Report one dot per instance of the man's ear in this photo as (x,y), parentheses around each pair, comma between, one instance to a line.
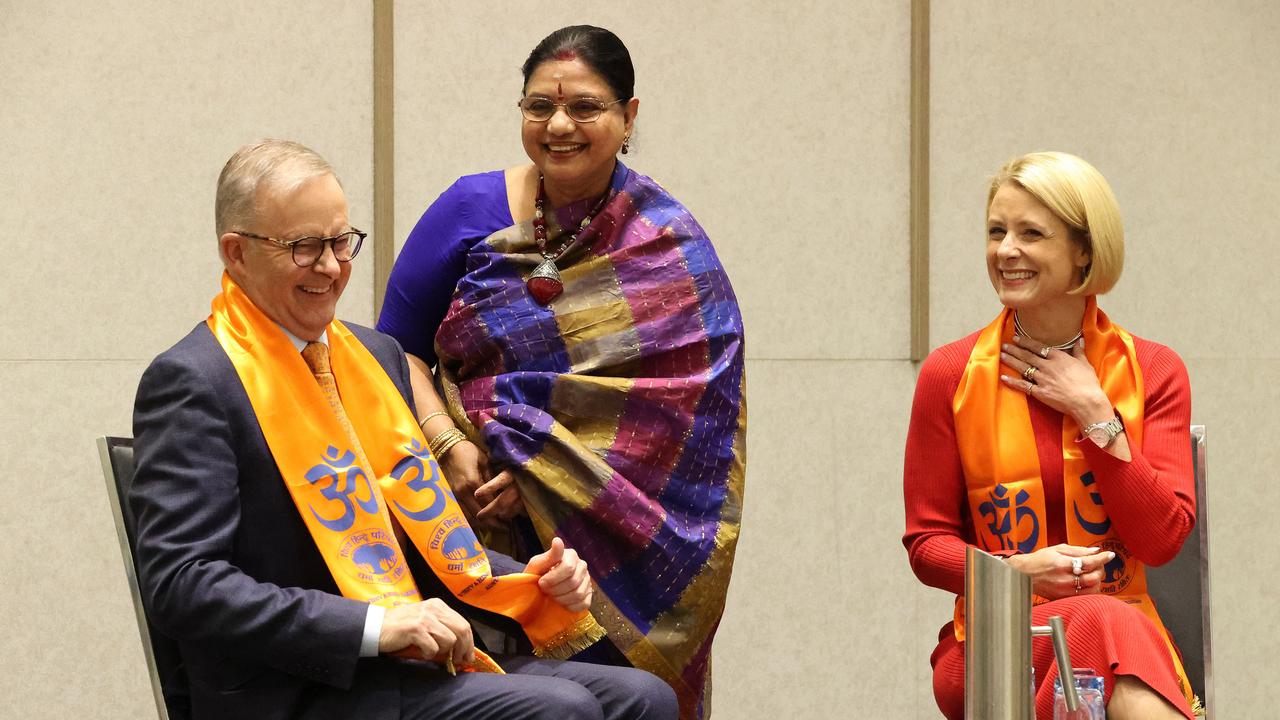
(232,246)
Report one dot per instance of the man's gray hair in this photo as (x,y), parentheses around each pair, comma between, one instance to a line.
(282,165)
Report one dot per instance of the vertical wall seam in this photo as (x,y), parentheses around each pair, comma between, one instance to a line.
(384,239)
(919,191)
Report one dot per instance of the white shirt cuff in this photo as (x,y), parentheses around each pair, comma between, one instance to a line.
(372,631)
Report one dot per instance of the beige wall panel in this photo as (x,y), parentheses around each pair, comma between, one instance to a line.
(781,126)
(71,642)
(117,119)
(1236,401)
(823,607)
(1173,102)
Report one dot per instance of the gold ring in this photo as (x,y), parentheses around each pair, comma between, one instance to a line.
(1029,373)
(1077,577)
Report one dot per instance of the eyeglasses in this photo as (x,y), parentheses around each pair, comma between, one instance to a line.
(582,110)
(307,250)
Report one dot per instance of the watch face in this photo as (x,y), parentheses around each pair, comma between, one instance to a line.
(1100,436)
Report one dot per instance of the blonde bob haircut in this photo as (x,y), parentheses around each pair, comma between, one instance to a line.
(1078,194)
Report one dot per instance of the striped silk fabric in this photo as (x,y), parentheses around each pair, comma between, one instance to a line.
(620,406)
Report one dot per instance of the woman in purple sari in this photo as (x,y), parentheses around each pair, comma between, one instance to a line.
(578,359)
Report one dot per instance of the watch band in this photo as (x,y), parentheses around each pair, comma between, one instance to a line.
(1112,427)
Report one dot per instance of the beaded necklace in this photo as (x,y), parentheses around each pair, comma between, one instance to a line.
(544,282)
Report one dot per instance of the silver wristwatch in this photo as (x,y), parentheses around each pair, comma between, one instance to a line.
(1104,433)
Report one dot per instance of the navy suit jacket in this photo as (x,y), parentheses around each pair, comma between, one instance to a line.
(226,565)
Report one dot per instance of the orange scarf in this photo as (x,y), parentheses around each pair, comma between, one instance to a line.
(1002,469)
(345,506)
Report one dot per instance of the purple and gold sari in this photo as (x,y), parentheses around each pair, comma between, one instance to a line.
(620,406)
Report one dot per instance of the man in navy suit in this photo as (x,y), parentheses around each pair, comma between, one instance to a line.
(226,563)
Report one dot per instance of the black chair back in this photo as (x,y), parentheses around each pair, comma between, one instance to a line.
(168,676)
(1180,588)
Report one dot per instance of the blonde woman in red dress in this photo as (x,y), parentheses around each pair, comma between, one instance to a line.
(1058,440)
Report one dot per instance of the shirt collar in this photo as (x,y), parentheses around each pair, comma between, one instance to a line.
(299,343)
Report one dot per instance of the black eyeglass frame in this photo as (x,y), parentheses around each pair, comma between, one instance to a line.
(600,105)
(292,245)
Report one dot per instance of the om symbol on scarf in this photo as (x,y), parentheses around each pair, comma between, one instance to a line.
(424,473)
(1004,521)
(345,479)
(1096,527)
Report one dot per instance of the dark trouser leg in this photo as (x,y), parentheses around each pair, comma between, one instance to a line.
(622,693)
(434,695)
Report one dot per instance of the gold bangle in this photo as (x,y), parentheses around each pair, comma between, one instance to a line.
(441,443)
(423,422)
(449,446)
(442,436)
(444,450)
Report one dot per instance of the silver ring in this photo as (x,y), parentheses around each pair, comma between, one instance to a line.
(1030,372)
(1077,565)
(1044,352)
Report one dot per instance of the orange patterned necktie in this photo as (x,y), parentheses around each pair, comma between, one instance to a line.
(316,355)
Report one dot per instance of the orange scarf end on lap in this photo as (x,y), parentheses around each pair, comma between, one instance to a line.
(347,505)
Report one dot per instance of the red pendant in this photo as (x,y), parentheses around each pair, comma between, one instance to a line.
(544,290)
(544,282)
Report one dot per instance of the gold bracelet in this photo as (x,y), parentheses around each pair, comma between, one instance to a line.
(441,437)
(445,440)
(423,422)
(447,446)
(450,440)
(444,450)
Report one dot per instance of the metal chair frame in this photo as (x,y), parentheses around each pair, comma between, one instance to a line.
(1180,588)
(118,473)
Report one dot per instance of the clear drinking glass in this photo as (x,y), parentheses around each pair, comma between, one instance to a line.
(1090,690)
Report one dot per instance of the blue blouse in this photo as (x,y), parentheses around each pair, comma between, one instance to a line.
(433,259)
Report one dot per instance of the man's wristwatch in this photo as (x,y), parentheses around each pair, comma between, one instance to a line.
(1104,433)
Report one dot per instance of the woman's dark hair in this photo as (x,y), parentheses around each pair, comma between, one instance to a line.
(598,48)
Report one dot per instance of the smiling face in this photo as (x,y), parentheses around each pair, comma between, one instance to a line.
(1033,257)
(302,300)
(576,159)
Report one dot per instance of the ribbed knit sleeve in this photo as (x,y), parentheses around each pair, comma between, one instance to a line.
(1151,499)
(933,486)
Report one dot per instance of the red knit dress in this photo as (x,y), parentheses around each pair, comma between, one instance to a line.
(1150,499)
